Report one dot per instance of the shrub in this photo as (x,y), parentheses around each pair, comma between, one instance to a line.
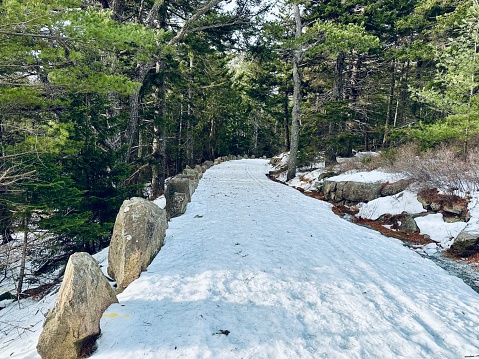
(443,168)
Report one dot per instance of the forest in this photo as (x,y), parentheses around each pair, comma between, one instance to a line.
(104,100)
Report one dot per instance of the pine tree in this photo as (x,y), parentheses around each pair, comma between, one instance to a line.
(453,91)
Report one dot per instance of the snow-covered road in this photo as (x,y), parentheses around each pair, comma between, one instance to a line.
(255,269)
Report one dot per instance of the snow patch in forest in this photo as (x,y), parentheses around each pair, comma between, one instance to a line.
(160,201)
(441,232)
(368,177)
(405,201)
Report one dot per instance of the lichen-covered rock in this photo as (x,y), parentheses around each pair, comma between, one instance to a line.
(470,232)
(391,189)
(192,173)
(199,169)
(208,164)
(182,184)
(137,237)
(178,193)
(408,224)
(178,184)
(177,204)
(348,192)
(75,320)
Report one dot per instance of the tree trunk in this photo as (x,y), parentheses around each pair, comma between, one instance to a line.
(287,116)
(298,54)
(390,102)
(212,138)
(403,94)
(179,152)
(354,78)
(255,133)
(131,135)
(189,115)
(158,146)
(23,260)
(469,103)
(338,89)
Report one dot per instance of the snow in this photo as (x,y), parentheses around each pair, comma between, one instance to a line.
(255,269)
(160,201)
(405,201)
(439,231)
(472,226)
(102,259)
(366,177)
(307,180)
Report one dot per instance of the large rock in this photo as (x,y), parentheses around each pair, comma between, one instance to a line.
(192,173)
(208,164)
(351,192)
(178,193)
(391,189)
(177,204)
(75,320)
(199,169)
(137,237)
(469,233)
(348,192)
(192,184)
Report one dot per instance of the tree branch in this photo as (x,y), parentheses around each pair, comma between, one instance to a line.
(41,36)
(153,14)
(186,27)
(206,27)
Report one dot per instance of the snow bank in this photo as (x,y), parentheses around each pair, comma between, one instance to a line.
(444,233)
(365,177)
(405,201)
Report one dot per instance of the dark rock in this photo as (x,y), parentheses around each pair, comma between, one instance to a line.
(178,204)
(408,224)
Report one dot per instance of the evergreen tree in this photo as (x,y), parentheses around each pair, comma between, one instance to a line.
(453,90)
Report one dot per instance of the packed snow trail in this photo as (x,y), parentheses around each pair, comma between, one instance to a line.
(255,269)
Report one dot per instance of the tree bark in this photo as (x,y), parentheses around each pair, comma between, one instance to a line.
(131,134)
(189,115)
(390,102)
(212,141)
(23,260)
(158,146)
(255,133)
(287,117)
(338,89)
(187,26)
(295,118)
